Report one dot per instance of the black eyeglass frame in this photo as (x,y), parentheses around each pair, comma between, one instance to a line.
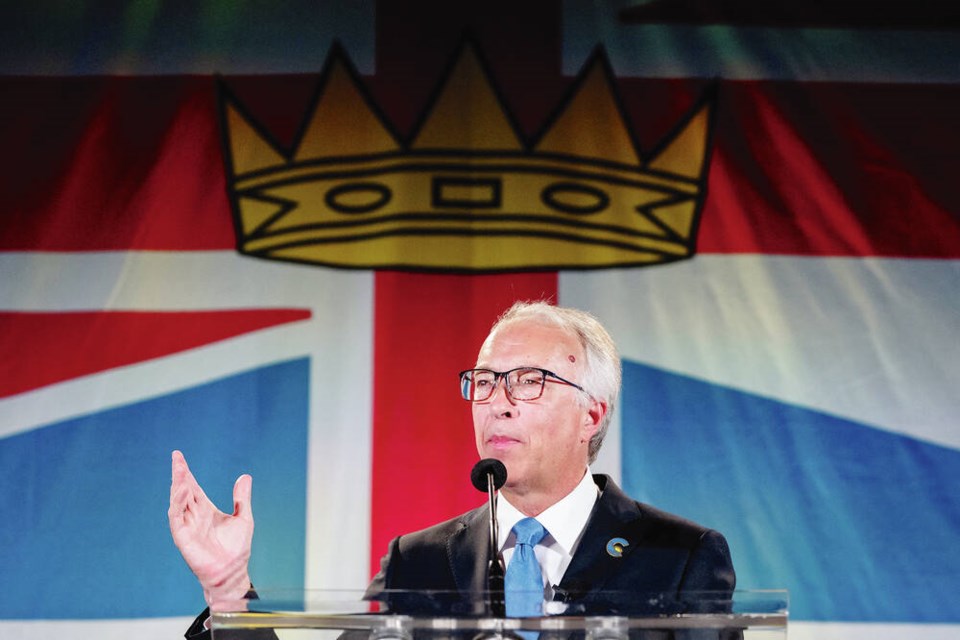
(504,375)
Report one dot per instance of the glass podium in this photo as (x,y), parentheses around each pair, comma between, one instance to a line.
(437,615)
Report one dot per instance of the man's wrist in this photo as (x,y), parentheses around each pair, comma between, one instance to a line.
(232,596)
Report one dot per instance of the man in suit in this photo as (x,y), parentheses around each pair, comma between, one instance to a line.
(542,392)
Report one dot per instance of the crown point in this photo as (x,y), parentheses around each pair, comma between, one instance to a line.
(591,123)
(466,104)
(343,122)
(249,151)
(685,154)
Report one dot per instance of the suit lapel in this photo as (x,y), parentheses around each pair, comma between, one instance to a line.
(614,516)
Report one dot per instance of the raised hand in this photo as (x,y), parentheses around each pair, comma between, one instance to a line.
(215,545)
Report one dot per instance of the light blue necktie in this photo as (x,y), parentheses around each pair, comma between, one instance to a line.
(523,582)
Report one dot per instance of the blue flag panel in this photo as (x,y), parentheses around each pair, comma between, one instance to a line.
(83,531)
(859,524)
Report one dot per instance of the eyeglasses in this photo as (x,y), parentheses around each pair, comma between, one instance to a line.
(522,383)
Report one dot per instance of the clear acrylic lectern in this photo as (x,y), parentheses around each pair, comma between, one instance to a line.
(438,615)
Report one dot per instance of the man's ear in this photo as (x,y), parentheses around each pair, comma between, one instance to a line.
(592,419)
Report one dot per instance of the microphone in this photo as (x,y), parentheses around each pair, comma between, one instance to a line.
(489,475)
(478,476)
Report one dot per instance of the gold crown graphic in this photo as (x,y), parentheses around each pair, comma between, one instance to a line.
(465,192)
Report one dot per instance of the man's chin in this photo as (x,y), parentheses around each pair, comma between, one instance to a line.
(515,471)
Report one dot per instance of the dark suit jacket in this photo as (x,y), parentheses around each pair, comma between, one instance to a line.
(665,555)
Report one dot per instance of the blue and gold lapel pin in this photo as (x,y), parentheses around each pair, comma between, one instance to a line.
(616,546)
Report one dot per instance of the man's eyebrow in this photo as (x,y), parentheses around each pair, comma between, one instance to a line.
(517,366)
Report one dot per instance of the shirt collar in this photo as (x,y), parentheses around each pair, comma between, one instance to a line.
(564,520)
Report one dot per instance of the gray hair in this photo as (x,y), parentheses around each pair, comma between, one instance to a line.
(602,371)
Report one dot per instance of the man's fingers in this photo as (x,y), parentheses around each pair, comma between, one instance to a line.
(180,491)
(180,498)
(242,489)
(180,475)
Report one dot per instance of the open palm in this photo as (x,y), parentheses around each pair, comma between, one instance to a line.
(215,545)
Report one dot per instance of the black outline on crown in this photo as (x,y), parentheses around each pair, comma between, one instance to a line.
(565,228)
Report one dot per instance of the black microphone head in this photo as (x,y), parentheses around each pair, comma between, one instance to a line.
(478,476)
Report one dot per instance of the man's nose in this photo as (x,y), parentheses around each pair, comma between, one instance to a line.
(500,394)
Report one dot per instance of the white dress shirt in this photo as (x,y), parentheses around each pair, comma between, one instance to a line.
(564,521)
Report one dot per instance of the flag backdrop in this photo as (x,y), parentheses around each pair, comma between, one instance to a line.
(793,383)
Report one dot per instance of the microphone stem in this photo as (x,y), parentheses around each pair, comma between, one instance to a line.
(495,570)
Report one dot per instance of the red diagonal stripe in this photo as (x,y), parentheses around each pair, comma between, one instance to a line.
(42,348)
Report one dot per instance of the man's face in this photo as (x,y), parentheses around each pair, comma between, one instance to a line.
(544,442)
